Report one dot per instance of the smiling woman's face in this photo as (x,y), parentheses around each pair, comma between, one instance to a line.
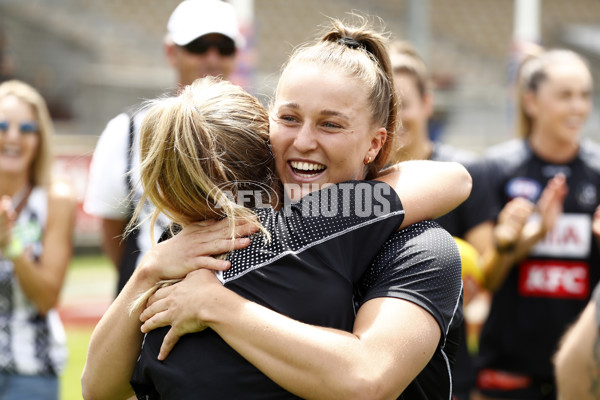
(18,142)
(321,128)
(560,107)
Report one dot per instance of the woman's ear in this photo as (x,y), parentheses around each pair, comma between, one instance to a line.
(529,103)
(428,104)
(377,142)
(169,48)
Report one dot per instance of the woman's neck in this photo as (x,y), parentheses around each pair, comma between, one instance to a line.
(553,149)
(419,148)
(11,186)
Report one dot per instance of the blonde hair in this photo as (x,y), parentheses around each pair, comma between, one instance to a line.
(532,72)
(360,52)
(42,162)
(198,150)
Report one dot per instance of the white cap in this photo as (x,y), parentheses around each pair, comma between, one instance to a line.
(194,18)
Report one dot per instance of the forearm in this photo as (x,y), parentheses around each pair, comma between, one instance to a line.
(299,357)
(116,340)
(577,362)
(114,346)
(40,284)
(42,280)
(498,263)
(315,362)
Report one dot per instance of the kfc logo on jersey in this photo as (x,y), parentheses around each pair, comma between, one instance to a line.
(570,237)
(554,279)
(523,187)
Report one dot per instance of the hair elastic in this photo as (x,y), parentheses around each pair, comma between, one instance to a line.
(349,42)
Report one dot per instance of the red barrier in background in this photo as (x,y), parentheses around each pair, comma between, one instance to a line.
(74,168)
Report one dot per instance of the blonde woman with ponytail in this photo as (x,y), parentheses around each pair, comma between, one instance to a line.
(541,277)
(310,261)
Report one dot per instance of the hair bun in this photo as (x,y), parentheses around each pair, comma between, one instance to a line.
(349,42)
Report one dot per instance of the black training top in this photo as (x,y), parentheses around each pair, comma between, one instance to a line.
(546,291)
(421,264)
(319,249)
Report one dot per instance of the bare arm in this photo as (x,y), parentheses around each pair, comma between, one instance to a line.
(577,362)
(391,342)
(428,189)
(112,234)
(43,280)
(112,353)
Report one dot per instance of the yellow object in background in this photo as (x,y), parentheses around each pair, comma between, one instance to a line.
(471,261)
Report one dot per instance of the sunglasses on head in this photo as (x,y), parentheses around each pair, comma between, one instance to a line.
(224,45)
(24,127)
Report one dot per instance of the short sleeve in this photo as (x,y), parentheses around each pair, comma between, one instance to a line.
(106,191)
(420,264)
(478,206)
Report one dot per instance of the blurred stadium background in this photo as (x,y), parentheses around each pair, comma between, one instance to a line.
(93,59)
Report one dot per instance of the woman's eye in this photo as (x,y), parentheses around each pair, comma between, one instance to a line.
(288,118)
(331,125)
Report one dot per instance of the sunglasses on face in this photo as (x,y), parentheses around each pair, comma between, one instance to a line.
(24,127)
(224,45)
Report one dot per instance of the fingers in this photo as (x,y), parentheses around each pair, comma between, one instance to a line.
(156,321)
(171,338)
(210,230)
(214,264)
(555,191)
(153,307)
(511,221)
(516,211)
(550,203)
(221,246)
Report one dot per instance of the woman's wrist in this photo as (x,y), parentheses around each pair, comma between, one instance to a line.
(218,305)
(505,240)
(147,273)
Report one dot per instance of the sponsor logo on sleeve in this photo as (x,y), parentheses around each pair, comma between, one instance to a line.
(523,187)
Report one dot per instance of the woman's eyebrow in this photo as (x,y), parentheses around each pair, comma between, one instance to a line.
(332,113)
(290,105)
(329,113)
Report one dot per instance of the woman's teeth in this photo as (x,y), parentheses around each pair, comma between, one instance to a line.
(11,151)
(306,168)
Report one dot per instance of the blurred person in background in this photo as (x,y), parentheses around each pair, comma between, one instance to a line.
(202,39)
(37,217)
(543,270)
(473,220)
(577,361)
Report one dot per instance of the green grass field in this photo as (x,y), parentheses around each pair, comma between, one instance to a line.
(84,270)
(78,339)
